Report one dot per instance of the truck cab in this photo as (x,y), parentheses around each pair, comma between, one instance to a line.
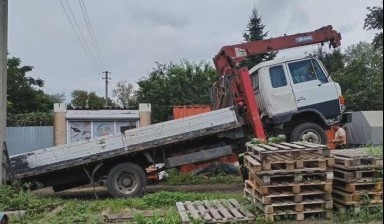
(297,97)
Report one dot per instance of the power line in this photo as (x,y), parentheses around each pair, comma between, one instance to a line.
(91,33)
(82,36)
(79,35)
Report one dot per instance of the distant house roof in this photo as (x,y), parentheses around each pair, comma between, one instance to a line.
(102,115)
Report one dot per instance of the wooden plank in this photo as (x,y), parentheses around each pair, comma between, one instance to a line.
(294,146)
(203,211)
(311,145)
(223,211)
(280,146)
(245,212)
(212,210)
(268,147)
(183,214)
(232,209)
(192,210)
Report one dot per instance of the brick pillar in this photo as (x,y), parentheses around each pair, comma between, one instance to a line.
(145,114)
(59,124)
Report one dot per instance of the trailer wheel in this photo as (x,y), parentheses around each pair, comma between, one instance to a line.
(126,180)
(309,132)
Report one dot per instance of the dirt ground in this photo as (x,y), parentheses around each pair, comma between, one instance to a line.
(101,192)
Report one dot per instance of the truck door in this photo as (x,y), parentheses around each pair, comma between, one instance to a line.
(313,89)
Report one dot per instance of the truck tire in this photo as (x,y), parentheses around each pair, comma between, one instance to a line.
(309,132)
(126,180)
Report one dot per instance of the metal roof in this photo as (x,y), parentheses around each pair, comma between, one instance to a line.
(102,115)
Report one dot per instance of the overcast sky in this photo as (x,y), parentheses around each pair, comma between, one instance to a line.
(134,34)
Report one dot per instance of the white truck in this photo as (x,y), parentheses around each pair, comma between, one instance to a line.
(297,97)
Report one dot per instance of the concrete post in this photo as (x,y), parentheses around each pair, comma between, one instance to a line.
(3,83)
(145,114)
(59,124)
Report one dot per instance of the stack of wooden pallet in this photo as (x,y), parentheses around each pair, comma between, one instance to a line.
(358,179)
(290,180)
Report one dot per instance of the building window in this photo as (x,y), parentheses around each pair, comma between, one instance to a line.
(123,126)
(79,130)
(103,129)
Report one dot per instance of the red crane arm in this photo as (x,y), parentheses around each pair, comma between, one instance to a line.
(229,57)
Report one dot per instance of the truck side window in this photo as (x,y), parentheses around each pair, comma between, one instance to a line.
(302,71)
(255,80)
(277,76)
(319,72)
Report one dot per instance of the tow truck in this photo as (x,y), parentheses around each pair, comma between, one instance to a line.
(119,162)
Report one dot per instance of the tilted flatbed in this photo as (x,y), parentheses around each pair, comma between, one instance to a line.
(71,165)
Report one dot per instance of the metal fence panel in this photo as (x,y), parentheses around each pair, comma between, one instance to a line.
(26,139)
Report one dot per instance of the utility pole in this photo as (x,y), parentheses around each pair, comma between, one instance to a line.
(3,82)
(106,87)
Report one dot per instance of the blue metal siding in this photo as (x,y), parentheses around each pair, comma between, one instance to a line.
(26,139)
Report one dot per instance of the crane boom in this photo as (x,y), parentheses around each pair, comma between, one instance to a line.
(228,59)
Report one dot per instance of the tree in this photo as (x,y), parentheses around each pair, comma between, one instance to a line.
(125,94)
(333,62)
(27,104)
(254,32)
(185,83)
(24,93)
(95,101)
(374,21)
(362,77)
(79,98)
(85,99)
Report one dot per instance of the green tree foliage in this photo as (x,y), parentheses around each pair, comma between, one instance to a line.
(26,101)
(254,32)
(85,99)
(374,21)
(183,83)
(362,77)
(125,94)
(333,61)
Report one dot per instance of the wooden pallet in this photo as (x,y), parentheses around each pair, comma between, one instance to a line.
(355,208)
(316,204)
(307,193)
(299,216)
(370,175)
(357,198)
(357,186)
(293,150)
(213,211)
(356,157)
(294,178)
(294,188)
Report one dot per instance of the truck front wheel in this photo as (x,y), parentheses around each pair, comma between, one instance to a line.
(126,180)
(309,132)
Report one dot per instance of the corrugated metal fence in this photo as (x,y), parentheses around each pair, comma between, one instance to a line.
(26,139)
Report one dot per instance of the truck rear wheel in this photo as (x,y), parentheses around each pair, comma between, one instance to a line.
(126,180)
(309,132)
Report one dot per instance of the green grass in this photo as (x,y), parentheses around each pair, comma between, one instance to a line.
(38,209)
(160,204)
(177,178)
(376,151)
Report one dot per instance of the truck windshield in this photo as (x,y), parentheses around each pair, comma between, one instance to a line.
(305,71)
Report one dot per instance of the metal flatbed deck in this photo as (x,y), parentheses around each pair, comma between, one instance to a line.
(134,140)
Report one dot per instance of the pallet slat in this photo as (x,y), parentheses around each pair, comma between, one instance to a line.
(213,211)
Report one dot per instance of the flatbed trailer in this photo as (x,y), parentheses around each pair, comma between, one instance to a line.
(120,161)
